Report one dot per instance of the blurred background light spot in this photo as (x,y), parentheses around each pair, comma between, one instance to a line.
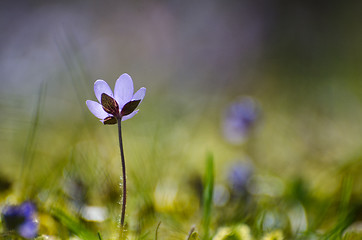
(94,213)
(165,195)
(221,195)
(266,185)
(298,219)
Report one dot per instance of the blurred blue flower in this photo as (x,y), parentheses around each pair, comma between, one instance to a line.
(239,176)
(21,219)
(239,119)
(120,105)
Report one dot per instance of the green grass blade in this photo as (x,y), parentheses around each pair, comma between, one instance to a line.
(99,236)
(74,225)
(346,212)
(158,226)
(207,195)
(28,155)
(193,235)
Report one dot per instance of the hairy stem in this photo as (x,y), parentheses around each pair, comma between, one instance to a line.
(124,177)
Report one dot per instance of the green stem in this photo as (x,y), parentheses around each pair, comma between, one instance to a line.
(124,177)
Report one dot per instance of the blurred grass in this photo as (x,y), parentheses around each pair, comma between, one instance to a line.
(72,224)
(165,146)
(208,195)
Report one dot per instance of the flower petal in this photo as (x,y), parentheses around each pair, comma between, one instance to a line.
(123,90)
(96,109)
(124,118)
(140,94)
(29,229)
(100,87)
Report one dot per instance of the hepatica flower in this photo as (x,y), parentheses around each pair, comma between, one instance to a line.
(239,119)
(115,107)
(120,105)
(239,176)
(21,219)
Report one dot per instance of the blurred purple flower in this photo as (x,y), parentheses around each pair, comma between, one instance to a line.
(21,219)
(239,119)
(239,176)
(120,105)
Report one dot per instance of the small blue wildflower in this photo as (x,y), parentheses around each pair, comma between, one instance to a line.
(21,219)
(239,119)
(239,176)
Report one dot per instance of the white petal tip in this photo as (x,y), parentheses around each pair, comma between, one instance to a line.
(99,80)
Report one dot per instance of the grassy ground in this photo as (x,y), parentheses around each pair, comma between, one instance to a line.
(303,154)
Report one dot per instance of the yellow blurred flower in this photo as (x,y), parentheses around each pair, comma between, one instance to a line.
(274,235)
(240,232)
